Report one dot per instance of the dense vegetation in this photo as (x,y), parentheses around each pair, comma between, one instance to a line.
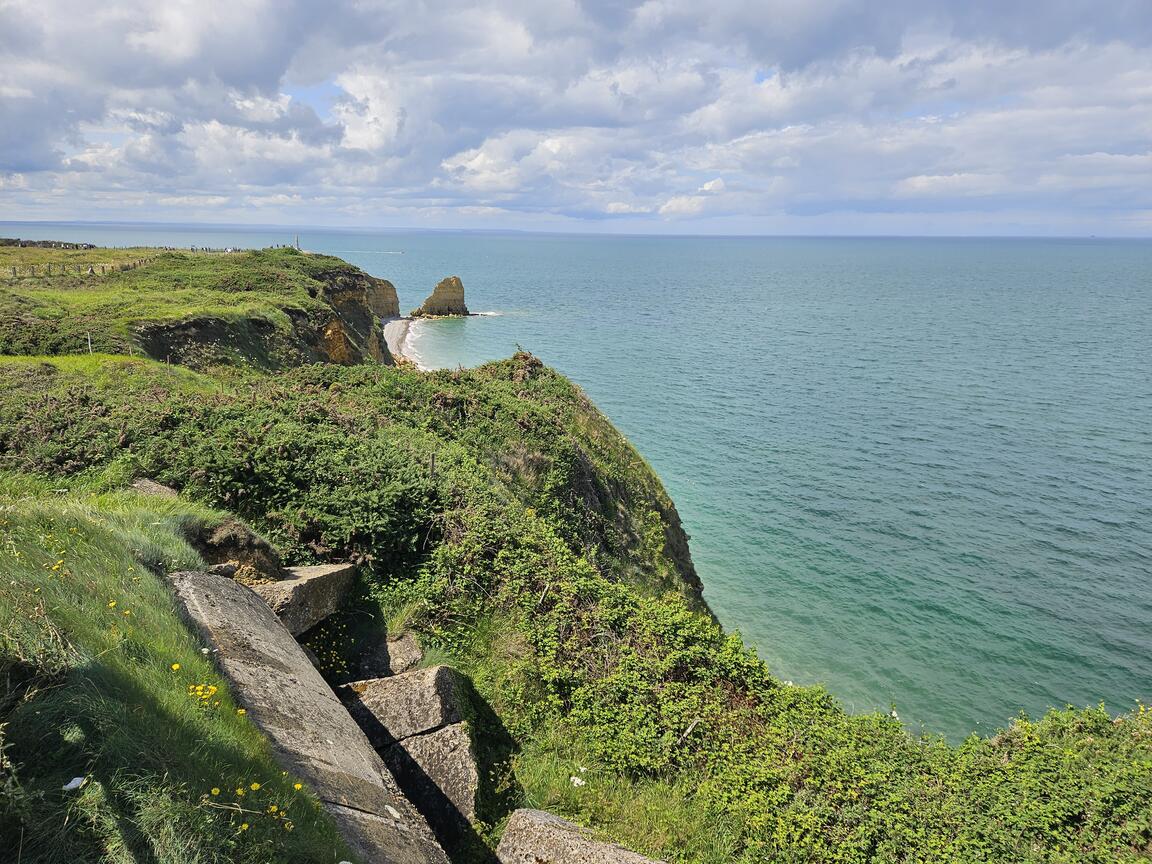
(497,514)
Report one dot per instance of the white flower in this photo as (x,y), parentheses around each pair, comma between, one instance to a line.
(577,781)
(74,784)
(894,714)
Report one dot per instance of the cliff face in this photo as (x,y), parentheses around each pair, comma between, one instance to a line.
(354,334)
(271,309)
(447,298)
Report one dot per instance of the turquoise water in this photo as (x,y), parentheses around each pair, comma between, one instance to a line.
(919,471)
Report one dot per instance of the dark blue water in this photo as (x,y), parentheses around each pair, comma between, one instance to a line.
(919,471)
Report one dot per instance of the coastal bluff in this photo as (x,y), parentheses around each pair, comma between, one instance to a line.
(447,298)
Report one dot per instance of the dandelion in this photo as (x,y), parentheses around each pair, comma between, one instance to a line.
(215,790)
(254,787)
(175,667)
(272,808)
(240,712)
(240,792)
(111,604)
(297,786)
(243,826)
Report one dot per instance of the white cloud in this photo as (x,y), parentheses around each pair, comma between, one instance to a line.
(683,205)
(826,113)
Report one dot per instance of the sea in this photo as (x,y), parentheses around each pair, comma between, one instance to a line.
(916,471)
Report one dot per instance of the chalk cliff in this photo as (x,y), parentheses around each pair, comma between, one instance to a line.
(447,298)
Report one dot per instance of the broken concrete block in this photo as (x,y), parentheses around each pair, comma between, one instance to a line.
(391,657)
(311,734)
(308,595)
(438,773)
(395,708)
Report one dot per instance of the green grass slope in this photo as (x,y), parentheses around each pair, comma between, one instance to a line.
(500,516)
(119,741)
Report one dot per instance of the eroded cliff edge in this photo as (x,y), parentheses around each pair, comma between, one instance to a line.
(269,309)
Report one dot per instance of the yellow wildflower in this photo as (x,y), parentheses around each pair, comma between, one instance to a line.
(244,826)
(111,604)
(241,712)
(175,667)
(215,790)
(254,786)
(297,786)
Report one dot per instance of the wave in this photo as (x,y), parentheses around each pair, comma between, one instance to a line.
(489,314)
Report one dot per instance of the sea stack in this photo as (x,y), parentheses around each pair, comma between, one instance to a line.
(447,298)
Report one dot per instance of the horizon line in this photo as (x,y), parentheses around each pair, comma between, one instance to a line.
(265,227)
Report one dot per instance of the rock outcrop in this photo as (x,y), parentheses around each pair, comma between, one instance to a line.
(311,734)
(308,595)
(360,302)
(447,298)
(536,837)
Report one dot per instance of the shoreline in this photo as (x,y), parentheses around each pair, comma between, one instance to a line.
(396,334)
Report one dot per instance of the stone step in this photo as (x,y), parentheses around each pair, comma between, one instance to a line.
(311,733)
(308,595)
(537,837)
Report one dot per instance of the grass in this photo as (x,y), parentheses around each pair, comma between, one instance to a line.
(249,308)
(101,674)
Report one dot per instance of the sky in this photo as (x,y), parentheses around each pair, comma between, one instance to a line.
(986,117)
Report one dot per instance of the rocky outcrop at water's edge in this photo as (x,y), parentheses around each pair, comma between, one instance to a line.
(447,298)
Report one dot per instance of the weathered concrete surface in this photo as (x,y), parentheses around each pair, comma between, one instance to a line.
(536,837)
(438,773)
(444,758)
(391,657)
(447,298)
(311,733)
(150,487)
(392,709)
(308,595)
